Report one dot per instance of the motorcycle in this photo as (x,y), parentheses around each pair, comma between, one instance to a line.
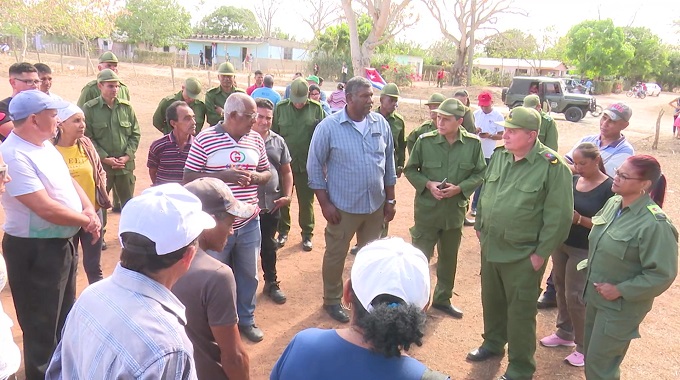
(637,92)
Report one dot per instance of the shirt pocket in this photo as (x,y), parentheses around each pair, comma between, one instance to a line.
(622,245)
(125,128)
(100,130)
(465,168)
(433,170)
(376,143)
(526,194)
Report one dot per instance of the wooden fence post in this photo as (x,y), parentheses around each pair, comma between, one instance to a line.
(658,129)
(172,75)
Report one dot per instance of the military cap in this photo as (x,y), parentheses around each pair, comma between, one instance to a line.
(226,68)
(531,101)
(522,117)
(390,89)
(108,57)
(192,87)
(313,78)
(107,75)
(451,107)
(462,93)
(299,91)
(435,98)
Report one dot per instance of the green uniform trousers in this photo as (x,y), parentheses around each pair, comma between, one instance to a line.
(509,293)
(367,227)
(448,242)
(608,334)
(305,198)
(121,184)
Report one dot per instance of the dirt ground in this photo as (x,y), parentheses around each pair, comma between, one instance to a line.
(655,356)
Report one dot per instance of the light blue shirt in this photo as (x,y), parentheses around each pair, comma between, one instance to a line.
(127,326)
(613,155)
(267,93)
(357,166)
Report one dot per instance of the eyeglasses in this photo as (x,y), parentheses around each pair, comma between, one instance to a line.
(34,82)
(252,116)
(624,177)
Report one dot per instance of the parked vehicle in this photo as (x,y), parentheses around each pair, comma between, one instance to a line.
(553,96)
(653,89)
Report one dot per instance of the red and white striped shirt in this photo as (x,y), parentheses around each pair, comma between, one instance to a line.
(213,151)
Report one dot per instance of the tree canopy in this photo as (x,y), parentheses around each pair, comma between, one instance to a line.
(229,20)
(154,22)
(598,48)
(650,58)
(512,43)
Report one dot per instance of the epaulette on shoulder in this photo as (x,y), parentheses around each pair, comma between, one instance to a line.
(236,89)
(550,157)
(499,148)
(91,102)
(398,116)
(428,134)
(123,101)
(658,213)
(467,134)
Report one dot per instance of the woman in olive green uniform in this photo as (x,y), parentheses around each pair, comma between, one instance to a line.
(633,258)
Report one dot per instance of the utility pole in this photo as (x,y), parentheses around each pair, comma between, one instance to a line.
(471,48)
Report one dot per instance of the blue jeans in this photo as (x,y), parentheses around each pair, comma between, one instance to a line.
(475,197)
(241,253)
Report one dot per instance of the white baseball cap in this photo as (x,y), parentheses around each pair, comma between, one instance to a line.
(391,266)
(169,215)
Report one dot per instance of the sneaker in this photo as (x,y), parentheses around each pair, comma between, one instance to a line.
(307,245)
(576,359)
(273,291)
(555,341)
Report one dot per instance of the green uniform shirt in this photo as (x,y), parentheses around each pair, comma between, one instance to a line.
(469,121)
(216,97)
(427,126)
(91,91)
(525,206)
(547,133)
(297,127)
(398,127)
(434,159)
(634,248)
(114,131)
(159,116)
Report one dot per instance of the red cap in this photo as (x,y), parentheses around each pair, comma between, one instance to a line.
(485,99)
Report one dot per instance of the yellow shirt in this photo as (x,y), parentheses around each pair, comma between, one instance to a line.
(80,168)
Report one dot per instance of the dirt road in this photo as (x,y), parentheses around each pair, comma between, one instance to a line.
(655,356)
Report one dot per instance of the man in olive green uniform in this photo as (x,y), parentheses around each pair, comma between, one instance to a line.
(389,97)
(469,118)
(632,259)
(433,103)
(445,168)
(189,94)
(547,134)
(295,119)
(107,60)
(217,96)
(524,212)
(112,126)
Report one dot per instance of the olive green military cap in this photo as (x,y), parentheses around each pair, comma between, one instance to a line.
(107,75)
(435,98)
(390,89)
(226,68)
(522,117)
(531,101)
(299,91)
(451,107)
(108,57)
(192,87)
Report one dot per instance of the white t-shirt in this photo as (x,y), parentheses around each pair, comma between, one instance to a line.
(488,123)
(34,168)
(360,125)
(10,356)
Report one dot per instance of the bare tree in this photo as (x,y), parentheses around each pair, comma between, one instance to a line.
(323,14)
(468,17)
(388,18)
(265,11)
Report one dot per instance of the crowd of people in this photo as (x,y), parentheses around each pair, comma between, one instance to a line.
(184,291)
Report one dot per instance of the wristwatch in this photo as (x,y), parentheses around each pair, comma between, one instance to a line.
(391,201)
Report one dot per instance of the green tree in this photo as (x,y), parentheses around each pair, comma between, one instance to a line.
(669,78)
(230,21)
(651,57)
(598,48)
(512,43)
(334,40)
(154,22)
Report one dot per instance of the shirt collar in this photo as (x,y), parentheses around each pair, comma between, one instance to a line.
(531,156)
(136,282)
(171,135)
(441,139)
(639,204)
(614,144)
(344,117)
